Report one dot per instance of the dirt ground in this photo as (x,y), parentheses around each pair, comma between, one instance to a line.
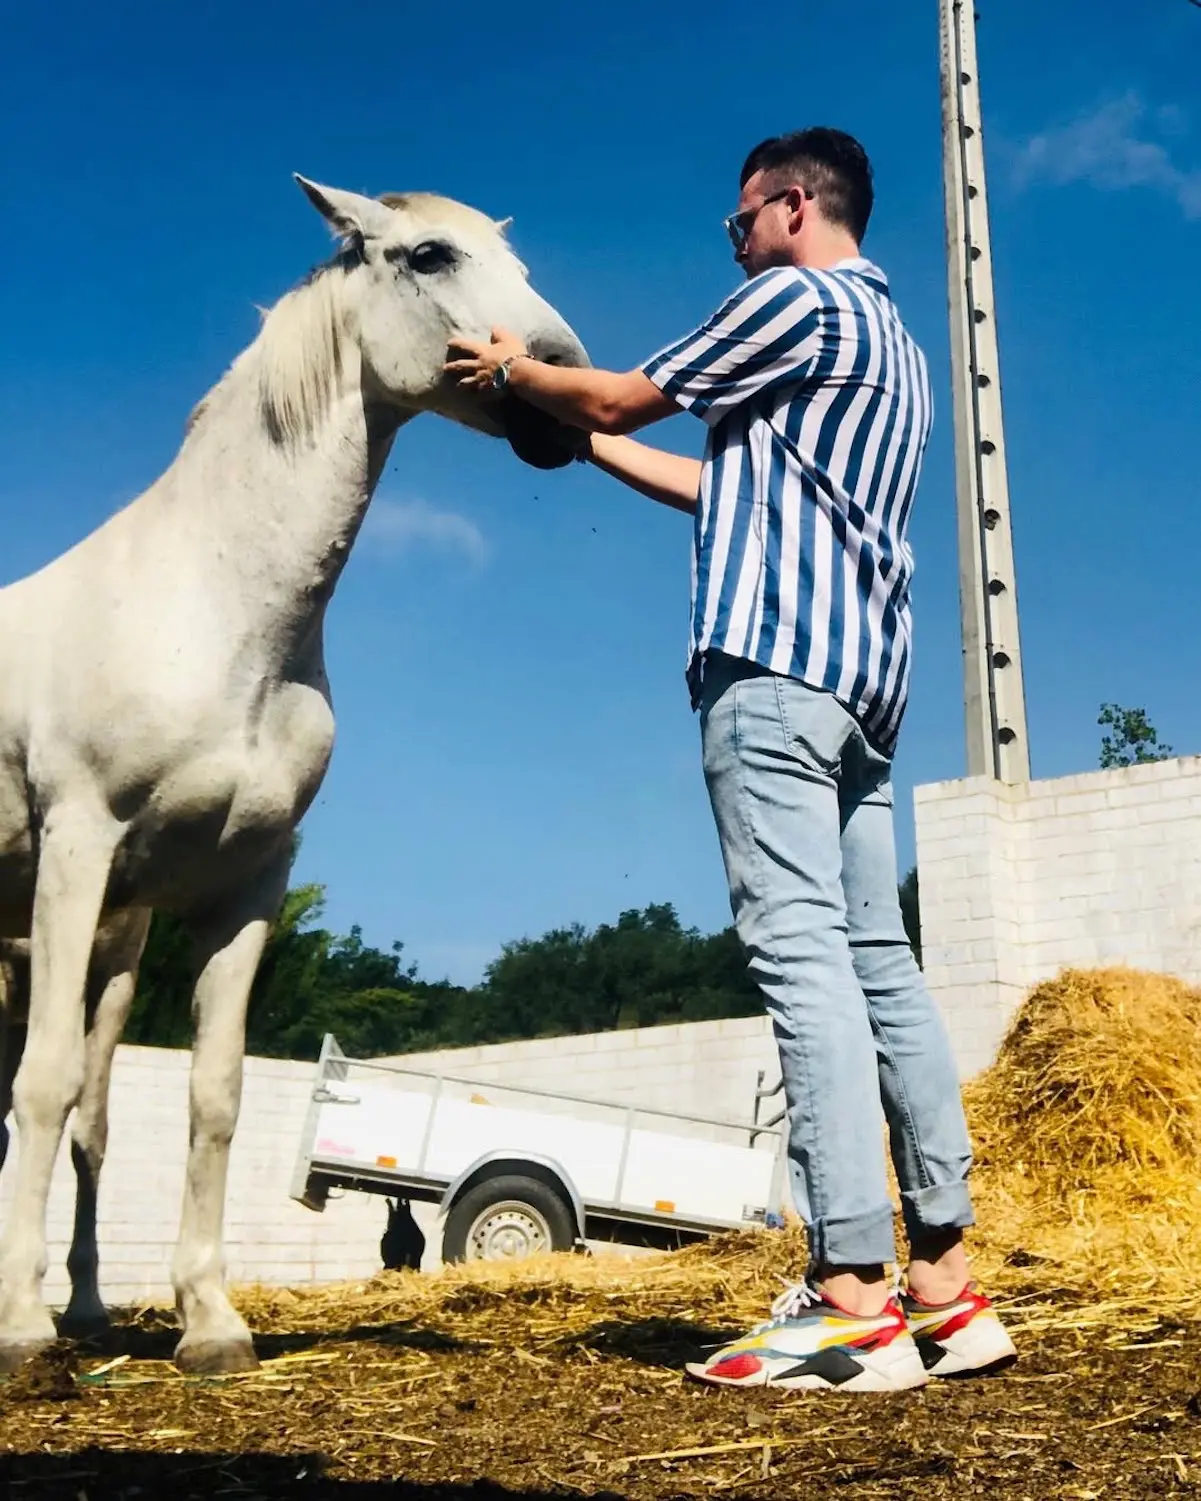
(486,1405)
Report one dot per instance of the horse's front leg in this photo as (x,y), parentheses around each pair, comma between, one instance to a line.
(215,1337)
(73,866)
(111,985)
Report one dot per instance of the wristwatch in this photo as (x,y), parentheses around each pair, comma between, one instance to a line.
(500,376)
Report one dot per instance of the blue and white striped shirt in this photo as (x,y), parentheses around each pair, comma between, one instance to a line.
(819,407)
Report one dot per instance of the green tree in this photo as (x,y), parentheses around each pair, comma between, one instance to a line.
(643,969)
(1134,740)
(161,1014)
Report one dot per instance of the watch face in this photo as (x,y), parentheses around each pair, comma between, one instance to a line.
(499,376)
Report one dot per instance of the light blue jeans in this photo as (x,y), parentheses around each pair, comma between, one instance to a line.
(803,805)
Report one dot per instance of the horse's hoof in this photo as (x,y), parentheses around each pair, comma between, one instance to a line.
(216,1357)
(14,1353)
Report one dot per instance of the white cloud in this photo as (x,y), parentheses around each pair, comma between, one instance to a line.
(396,526)
(1112,147)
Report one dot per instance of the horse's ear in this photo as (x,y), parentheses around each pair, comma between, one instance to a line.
(349,213)
(503,224)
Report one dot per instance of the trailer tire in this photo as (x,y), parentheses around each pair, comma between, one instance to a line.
(507,1218)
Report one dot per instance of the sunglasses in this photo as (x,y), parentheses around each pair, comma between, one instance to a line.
(739,226)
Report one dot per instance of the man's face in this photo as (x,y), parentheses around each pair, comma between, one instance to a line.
(765,213)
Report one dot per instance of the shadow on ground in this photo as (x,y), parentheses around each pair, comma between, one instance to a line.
(115,1475)
(156,1340)
(666,1343)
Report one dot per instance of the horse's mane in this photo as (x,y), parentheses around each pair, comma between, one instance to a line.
(300,351)
(297,354)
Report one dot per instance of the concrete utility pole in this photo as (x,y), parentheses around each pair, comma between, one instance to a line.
(994,697)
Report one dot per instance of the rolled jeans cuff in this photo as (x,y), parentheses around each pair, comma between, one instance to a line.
(865,1240)
(942,1206)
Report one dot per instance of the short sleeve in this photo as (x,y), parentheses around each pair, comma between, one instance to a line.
(768,333)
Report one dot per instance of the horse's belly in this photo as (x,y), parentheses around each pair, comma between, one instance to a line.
(16,855)
(16,902)
(186,864)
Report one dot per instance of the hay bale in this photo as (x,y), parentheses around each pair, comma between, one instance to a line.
(1101,1070)
(1087,1134)
(726,1281)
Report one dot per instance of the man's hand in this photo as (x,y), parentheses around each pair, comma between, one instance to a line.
(478,362)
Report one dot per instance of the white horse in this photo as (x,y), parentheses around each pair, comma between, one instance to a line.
(165,715)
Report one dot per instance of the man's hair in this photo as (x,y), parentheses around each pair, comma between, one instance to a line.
(832,165)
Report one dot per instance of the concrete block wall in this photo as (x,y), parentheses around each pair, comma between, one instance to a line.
(706,1068)
(1019,882)
(269,1237)
(694,1068)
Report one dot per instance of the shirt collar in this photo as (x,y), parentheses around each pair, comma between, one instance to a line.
(858,265)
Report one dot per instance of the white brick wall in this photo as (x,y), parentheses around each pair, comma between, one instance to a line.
(707,1068)
(268,1234)
(1018,882)
(698,1068)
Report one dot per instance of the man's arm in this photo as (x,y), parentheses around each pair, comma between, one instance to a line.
(601,401)
(665,477)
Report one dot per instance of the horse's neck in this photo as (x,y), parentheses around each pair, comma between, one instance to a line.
(272,524)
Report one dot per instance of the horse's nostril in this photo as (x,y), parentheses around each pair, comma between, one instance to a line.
(552,350)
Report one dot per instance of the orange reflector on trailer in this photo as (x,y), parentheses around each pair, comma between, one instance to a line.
(666,1206)
(385,1162)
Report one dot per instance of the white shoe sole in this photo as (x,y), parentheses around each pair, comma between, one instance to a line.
(896,1368)
(978,1348)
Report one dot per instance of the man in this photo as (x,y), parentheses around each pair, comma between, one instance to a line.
(818,410)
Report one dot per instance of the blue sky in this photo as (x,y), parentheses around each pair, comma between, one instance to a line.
(515,748)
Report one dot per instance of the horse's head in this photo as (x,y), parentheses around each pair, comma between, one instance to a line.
(425,268)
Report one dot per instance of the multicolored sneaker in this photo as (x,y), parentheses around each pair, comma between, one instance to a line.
(810,1343)
(960,1338)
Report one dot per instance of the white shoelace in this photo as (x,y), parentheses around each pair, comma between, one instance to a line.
(798,1296)
(791,1303)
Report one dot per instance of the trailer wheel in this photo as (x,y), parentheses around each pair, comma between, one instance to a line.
(507,1218)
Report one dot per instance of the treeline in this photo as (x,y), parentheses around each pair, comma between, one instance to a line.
(643,970)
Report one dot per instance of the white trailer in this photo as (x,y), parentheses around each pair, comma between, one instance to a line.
(515,1171)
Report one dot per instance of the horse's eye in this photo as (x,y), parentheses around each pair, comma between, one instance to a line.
(431,256)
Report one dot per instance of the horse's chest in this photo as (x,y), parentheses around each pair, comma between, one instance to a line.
(281,766)
(236,797)
(269,767)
